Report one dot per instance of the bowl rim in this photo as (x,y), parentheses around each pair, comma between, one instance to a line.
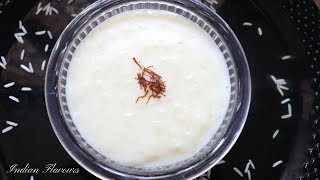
(60,129)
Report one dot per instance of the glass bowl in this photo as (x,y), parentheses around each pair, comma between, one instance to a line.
(101,166)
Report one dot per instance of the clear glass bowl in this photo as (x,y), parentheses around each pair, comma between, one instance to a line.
(103,167)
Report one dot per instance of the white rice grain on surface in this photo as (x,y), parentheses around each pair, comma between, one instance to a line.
(2,65)
(14,98)
(25,68)
(30,68)
(49,34)
(54,10)
(46,48)
(22,54)
(289,115)
(285,101)
(220,162)
(46,8)
(4,61)
(281,82)
(247,24)
(246,169)
(286,57)
(26,89)
(73,15)
(39,8)
(18,38)
(280,91)
(259,31)
(38,33)
(238,171)
(22,27)
(275,134)
(252,165)
(283,87)
(274,79)
(8,85)
(21,33)
(11,123)
(277,163)
(6,129)
(249,174)
(70,1)
(43,65)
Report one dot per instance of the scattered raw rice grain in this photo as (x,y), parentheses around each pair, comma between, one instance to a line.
(46,48)
(259,31)
(8,85)
(14,98)
(275,134)
(49,34)
(54,10)
(283,87)
(22,27)
(249,174)
(73,15)
(280,91)
(70,1)
(46,8)
(246,169)
(281,82)
(11,123)
(6,129)
(26,89)
(30,67)
(286,57)
(43,65)
(252,165)
(25,68)
(21,34)
(22,54)
(238,171)
(289,115)
(220,162)
(247,24)
(38,33)
(274,79)
(285,101)
(18,38)
(3,59)
(2,65)
(39,8)
(277,163)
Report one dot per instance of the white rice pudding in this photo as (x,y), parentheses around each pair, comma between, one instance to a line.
(102,90)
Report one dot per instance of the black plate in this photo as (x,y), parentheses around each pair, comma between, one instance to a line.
(275,50)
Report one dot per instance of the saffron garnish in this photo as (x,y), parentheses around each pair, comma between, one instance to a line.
(150,81)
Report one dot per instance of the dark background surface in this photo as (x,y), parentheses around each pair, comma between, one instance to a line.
(33,140)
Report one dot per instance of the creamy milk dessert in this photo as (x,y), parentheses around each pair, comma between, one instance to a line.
(102,88)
